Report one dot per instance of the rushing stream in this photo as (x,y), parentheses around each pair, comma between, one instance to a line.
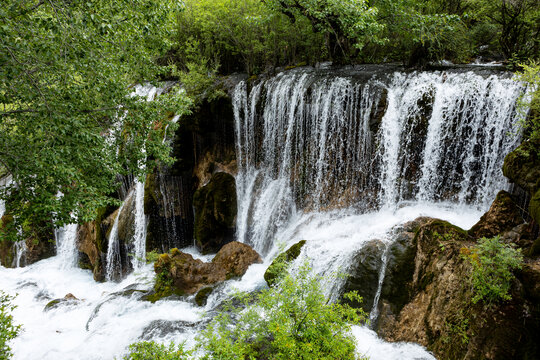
(337,160)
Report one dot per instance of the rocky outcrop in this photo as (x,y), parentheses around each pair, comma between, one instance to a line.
(179,273)
(215,213)
(438,312)
(92,242)
(502,216)
(522,166)
(285,257)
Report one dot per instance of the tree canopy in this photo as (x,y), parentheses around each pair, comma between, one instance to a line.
(68,125)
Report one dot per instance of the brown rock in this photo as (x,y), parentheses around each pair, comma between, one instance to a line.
(180,273)
(235,258)
(440,314)
(502,216)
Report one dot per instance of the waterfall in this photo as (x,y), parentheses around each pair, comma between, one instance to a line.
(66,245)
(309,142)
(113,269)
(139,238)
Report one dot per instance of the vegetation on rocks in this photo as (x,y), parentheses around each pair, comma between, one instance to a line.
(493,263)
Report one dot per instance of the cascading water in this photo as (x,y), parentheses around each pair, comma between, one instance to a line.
(307,142)
(114,257)
(337,160)
(66,245)
(139,237)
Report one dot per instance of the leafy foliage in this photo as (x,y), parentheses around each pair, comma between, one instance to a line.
(68,125)
(530,75)
(150,350)
(8,330)
(492,262)
(291,320)
(242,36)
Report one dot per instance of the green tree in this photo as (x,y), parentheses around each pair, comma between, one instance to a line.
(68,126)
(347,24)
(8,331)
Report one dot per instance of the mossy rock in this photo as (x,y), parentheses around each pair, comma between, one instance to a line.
(215,213)
(287,256)
(202,296)
(534,206)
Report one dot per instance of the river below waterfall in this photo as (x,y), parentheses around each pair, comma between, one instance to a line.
(334,159)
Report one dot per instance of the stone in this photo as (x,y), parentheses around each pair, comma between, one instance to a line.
(180,274)
(202,296)
(236,257)
(364,275)
(287,256)
(69,299)
(502,216)
(215,213)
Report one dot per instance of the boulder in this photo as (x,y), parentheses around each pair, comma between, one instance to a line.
(69,299)
(179,273)
(215,213)
(364,275)
(368,263)
(502,216)
(287,256)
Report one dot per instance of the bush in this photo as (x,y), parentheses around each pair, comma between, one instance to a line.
(292,320)
(8,331)
(150,350)
(492,262)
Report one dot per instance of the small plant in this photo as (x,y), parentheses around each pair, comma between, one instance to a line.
(152,256)
(458,327)
(8,331)
(492,262)
(150,350)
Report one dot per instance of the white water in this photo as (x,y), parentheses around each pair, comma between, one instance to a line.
(139,238)
(66,245)
(113,269)
(317,173)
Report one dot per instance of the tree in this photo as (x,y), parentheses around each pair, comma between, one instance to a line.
(68,126)
(348,24)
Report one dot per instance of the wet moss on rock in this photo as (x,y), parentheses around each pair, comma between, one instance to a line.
(215,213)
(287,256)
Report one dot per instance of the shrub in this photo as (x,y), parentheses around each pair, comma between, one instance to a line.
(150,350)
(292,320)
(8,331)
(492,262)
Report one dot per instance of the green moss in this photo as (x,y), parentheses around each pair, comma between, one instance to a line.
(275,269)
(202,296)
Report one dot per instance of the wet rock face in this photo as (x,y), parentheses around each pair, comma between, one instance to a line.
(215,213)
(522,166)
(368,263)
(502,216)
(92,242)
(179,273)
(438,312)
(39,244)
